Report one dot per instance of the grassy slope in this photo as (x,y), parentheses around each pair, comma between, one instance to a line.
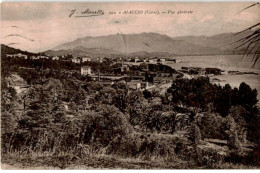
(98,161)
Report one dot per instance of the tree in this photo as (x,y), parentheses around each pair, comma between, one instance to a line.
(104,125)
(247,96)
(223,100)
(147,94)
(233,143)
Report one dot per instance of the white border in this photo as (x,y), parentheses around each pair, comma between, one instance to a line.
(128,171)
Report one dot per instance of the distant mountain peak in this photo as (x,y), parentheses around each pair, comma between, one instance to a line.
(155,42)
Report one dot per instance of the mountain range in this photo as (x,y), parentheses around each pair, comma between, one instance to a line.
(150,44)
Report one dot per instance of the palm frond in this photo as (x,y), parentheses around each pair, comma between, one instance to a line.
(257,3)
(252,40)
(256,59)
(249,36)
(251,27)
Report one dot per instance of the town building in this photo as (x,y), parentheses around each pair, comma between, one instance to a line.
(136,59)
(55,58)
(193,70)
(119,59)
(102,77)
(42,57)
(134,85)
(10,56)
(34,57)
(76,60)
(120,68)
(86,59)
(151,61)
(214,71)
(145,60)
(137,85)
(85,70)
(173,60)
(19,55)
(161,60)
(176,60)
(100,59)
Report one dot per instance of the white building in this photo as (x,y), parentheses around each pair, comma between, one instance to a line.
(19,55)
(137,59)
(42,57)
(99,59)
(162,60)
(55,58)
(76,60)
(85,70)
(34,57)
(177,60)
(86,59)
(135,85)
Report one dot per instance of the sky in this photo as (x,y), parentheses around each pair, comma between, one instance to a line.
(39,27)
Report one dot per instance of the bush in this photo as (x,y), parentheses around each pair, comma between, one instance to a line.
(233,143)
(144,145)
(209,158)
(101,127)
(237,113)
(212,125)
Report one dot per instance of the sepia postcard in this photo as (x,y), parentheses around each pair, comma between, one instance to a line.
(130,85)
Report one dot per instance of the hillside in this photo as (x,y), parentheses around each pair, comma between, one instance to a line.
(82,51)
(149,43)
(143,45)
(9,50)
(226,42)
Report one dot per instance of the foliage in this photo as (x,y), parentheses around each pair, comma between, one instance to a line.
(62,112)
(143,145)
(200,93)
(212,125)
(251,41)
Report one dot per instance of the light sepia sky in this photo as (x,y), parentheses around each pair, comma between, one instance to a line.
(41,26)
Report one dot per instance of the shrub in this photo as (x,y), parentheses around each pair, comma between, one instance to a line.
(143,145)
(209,158)
(101,127)
(237,112)
(233,143)
(212,125)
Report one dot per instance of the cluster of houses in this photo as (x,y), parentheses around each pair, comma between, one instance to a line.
(135,83)
(19,55)
(77,60)
(146,79)
(83,59)
(154,60)
(201,71)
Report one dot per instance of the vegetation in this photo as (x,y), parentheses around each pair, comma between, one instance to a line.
(62,119)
